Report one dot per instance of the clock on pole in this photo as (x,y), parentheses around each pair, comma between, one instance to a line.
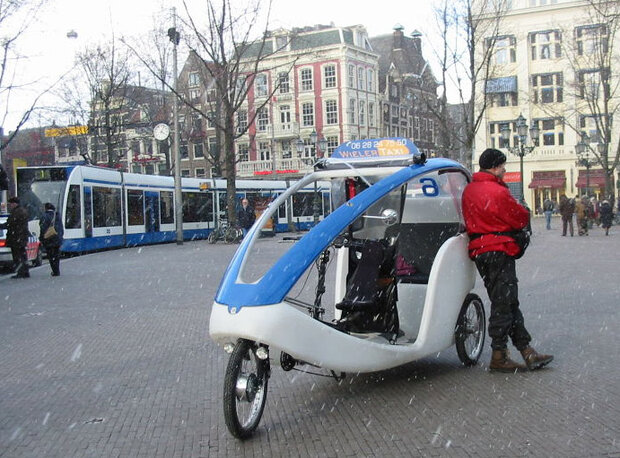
(161,131)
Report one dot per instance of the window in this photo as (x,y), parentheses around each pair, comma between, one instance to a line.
(590,83)
(546,45)
(194,94)
(135,207)
(551,130)
(193,79)
(330,76)
(504,99)
(592,39)
(416,128)
(351,111)
(332,144)
(495,132)
(73,214)
(351,75)
(185,173)
(198,150)
(371,114)
(331,112)
(285,116)
(197,122)
(242,121)
(505,49)
(200,173)
(360,78)
(283,82)
(371,80)
(166,207)
(262,119)
(307,114)
(197,207)
(548,88)
(287,152)
(589,127)
(243,152)
(106,206)
(183,149)
(264,151)
(211,95)
(212,146)
(260,85)
(362,113)
(210,119)
(306,79)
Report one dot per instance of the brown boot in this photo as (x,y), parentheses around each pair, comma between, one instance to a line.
(501,362)
(535,360)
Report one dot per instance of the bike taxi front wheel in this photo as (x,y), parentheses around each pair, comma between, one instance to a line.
(245,389)
(470,330)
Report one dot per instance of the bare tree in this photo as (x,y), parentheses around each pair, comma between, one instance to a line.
(106,71)
(16,18)
(469,30)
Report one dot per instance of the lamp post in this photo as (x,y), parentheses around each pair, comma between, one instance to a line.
(521,149)
(584,159)
(320,145)
(175,38)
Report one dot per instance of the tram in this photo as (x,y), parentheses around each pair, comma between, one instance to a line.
(104,208)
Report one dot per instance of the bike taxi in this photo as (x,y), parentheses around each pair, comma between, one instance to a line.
(399,289)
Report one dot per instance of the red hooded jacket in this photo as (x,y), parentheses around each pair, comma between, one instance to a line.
(489,207)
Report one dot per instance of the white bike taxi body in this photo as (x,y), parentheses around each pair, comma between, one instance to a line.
(400,288)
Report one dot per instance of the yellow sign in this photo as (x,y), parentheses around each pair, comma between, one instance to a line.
(203,186)
(66,131)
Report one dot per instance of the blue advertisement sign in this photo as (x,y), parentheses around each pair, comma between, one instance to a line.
(376,148)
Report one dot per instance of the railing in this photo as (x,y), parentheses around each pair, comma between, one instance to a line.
(294,166)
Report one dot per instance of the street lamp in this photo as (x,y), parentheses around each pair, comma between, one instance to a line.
(320,145)
(521,150)
(584,159)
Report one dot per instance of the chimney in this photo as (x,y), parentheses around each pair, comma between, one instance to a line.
(398,37)
(417,40)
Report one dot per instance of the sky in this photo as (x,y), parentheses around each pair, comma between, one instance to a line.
(48,53)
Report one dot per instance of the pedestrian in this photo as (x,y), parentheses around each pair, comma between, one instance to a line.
(494,221)
(607,215)
(51,238)
(567,209)
(581,210)
(17,237)
(246,216)
(548,207)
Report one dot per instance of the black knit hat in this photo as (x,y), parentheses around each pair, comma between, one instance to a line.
(491,158)
(14,200)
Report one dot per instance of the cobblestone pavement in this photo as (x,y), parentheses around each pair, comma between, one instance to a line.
(113,359)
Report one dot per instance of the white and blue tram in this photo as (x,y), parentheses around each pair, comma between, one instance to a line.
(105,208)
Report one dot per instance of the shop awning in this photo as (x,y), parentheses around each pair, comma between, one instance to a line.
(548,183)
(597,179)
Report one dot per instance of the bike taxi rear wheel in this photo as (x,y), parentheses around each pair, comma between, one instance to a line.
(470,330)
(245,389)
(212,236)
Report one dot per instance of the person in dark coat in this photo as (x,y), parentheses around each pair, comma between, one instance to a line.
(607,215)
(52,244)
(567,209)
(246,216)
(491,216)
(17,237)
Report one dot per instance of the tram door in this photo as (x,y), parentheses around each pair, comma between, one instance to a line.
(151,209)
(88,212)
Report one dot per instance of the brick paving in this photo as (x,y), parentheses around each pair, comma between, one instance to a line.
(113,359)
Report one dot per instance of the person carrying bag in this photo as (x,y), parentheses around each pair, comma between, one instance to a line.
(51,237)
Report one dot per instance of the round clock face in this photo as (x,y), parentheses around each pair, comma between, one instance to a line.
(161,131)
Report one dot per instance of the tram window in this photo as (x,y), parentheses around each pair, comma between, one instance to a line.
(106,206)
(166,207)
(197,207)
(73,215)
(222,198)
(326,209)
(303,204)
(135,207)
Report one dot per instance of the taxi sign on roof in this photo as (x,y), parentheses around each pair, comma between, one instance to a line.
(376,148)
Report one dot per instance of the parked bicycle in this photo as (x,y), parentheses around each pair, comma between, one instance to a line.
(223,231)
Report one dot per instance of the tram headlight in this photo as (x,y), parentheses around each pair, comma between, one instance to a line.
(262,353)
(229,347)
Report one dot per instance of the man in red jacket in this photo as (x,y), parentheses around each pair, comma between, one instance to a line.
(489,209)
